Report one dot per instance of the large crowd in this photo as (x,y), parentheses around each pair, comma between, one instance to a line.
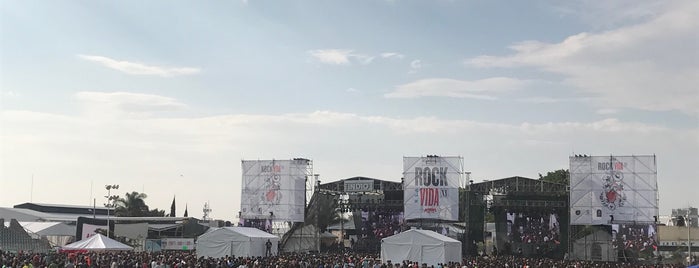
(182,259)
(637,238)
(533,227)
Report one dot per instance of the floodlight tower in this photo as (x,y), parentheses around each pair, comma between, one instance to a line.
(111,201)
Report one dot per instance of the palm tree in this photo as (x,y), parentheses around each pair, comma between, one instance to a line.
(327,212)
(132,206)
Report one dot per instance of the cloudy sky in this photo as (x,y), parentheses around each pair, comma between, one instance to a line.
(168,97)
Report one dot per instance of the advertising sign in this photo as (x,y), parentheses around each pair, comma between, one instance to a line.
(177,244)
(359,186)
(431,187)
(274,189)
(613,189)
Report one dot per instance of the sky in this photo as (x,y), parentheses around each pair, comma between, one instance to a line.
(167,97)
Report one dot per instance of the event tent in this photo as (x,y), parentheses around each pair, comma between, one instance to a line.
(306,239)
(97,242)
(57,233)
(235,241)
(422,246)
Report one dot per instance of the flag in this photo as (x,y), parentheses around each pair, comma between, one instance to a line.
(172,208)
(185,211)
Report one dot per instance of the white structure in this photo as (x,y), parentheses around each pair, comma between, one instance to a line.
(306,239)
(97,242)
(431,187)
(57,233)
(235,241)
(612,189)
(422,246)
(274,189)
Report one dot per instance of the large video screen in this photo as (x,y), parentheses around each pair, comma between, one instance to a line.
(381,224)
(533,227)
(375,225)
(536,233)
(635,240)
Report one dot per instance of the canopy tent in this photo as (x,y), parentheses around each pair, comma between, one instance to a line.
(306,239)
(57,233)
(235,241)
(97,242)
(421,246)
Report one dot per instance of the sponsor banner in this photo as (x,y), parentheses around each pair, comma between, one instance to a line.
(431,187)
(177,244)
(359,186)
(605,189)
(274,189)
(90,230)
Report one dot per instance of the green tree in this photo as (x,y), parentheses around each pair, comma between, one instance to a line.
(328,212)
(134,205)
(560,176)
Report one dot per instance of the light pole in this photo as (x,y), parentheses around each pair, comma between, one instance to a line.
(688,222)
(110,200)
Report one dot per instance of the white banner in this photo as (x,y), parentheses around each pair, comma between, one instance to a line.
(274,189)
(624,188)
(431,187)
(90,230)
(177,244)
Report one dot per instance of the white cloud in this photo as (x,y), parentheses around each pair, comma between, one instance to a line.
(392,55)
(340,56)
(136,68)
(444,87)
(9,93)
(416,64)
(607,111)
(653,65)
(127,103)
(149,152)
(352,90)
(542,100)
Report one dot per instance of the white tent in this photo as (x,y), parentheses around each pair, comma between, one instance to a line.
(422,246)
(306,239)
(97,242)
(235,241)
(57,233)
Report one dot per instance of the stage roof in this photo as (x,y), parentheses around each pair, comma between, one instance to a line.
(519,185)
(378,185)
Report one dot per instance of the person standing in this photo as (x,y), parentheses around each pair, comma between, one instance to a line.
(268,245)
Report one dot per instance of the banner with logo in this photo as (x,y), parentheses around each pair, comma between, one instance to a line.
(274,189)
(431,187)
(613,189)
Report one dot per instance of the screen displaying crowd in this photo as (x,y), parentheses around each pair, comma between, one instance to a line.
(533,227)
(639,239)
(381,224)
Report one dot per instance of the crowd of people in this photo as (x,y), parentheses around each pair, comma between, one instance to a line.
(639,239)
(381,224)
(182,259)
(533,227)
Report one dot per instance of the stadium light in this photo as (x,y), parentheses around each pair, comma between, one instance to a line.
(111,201)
